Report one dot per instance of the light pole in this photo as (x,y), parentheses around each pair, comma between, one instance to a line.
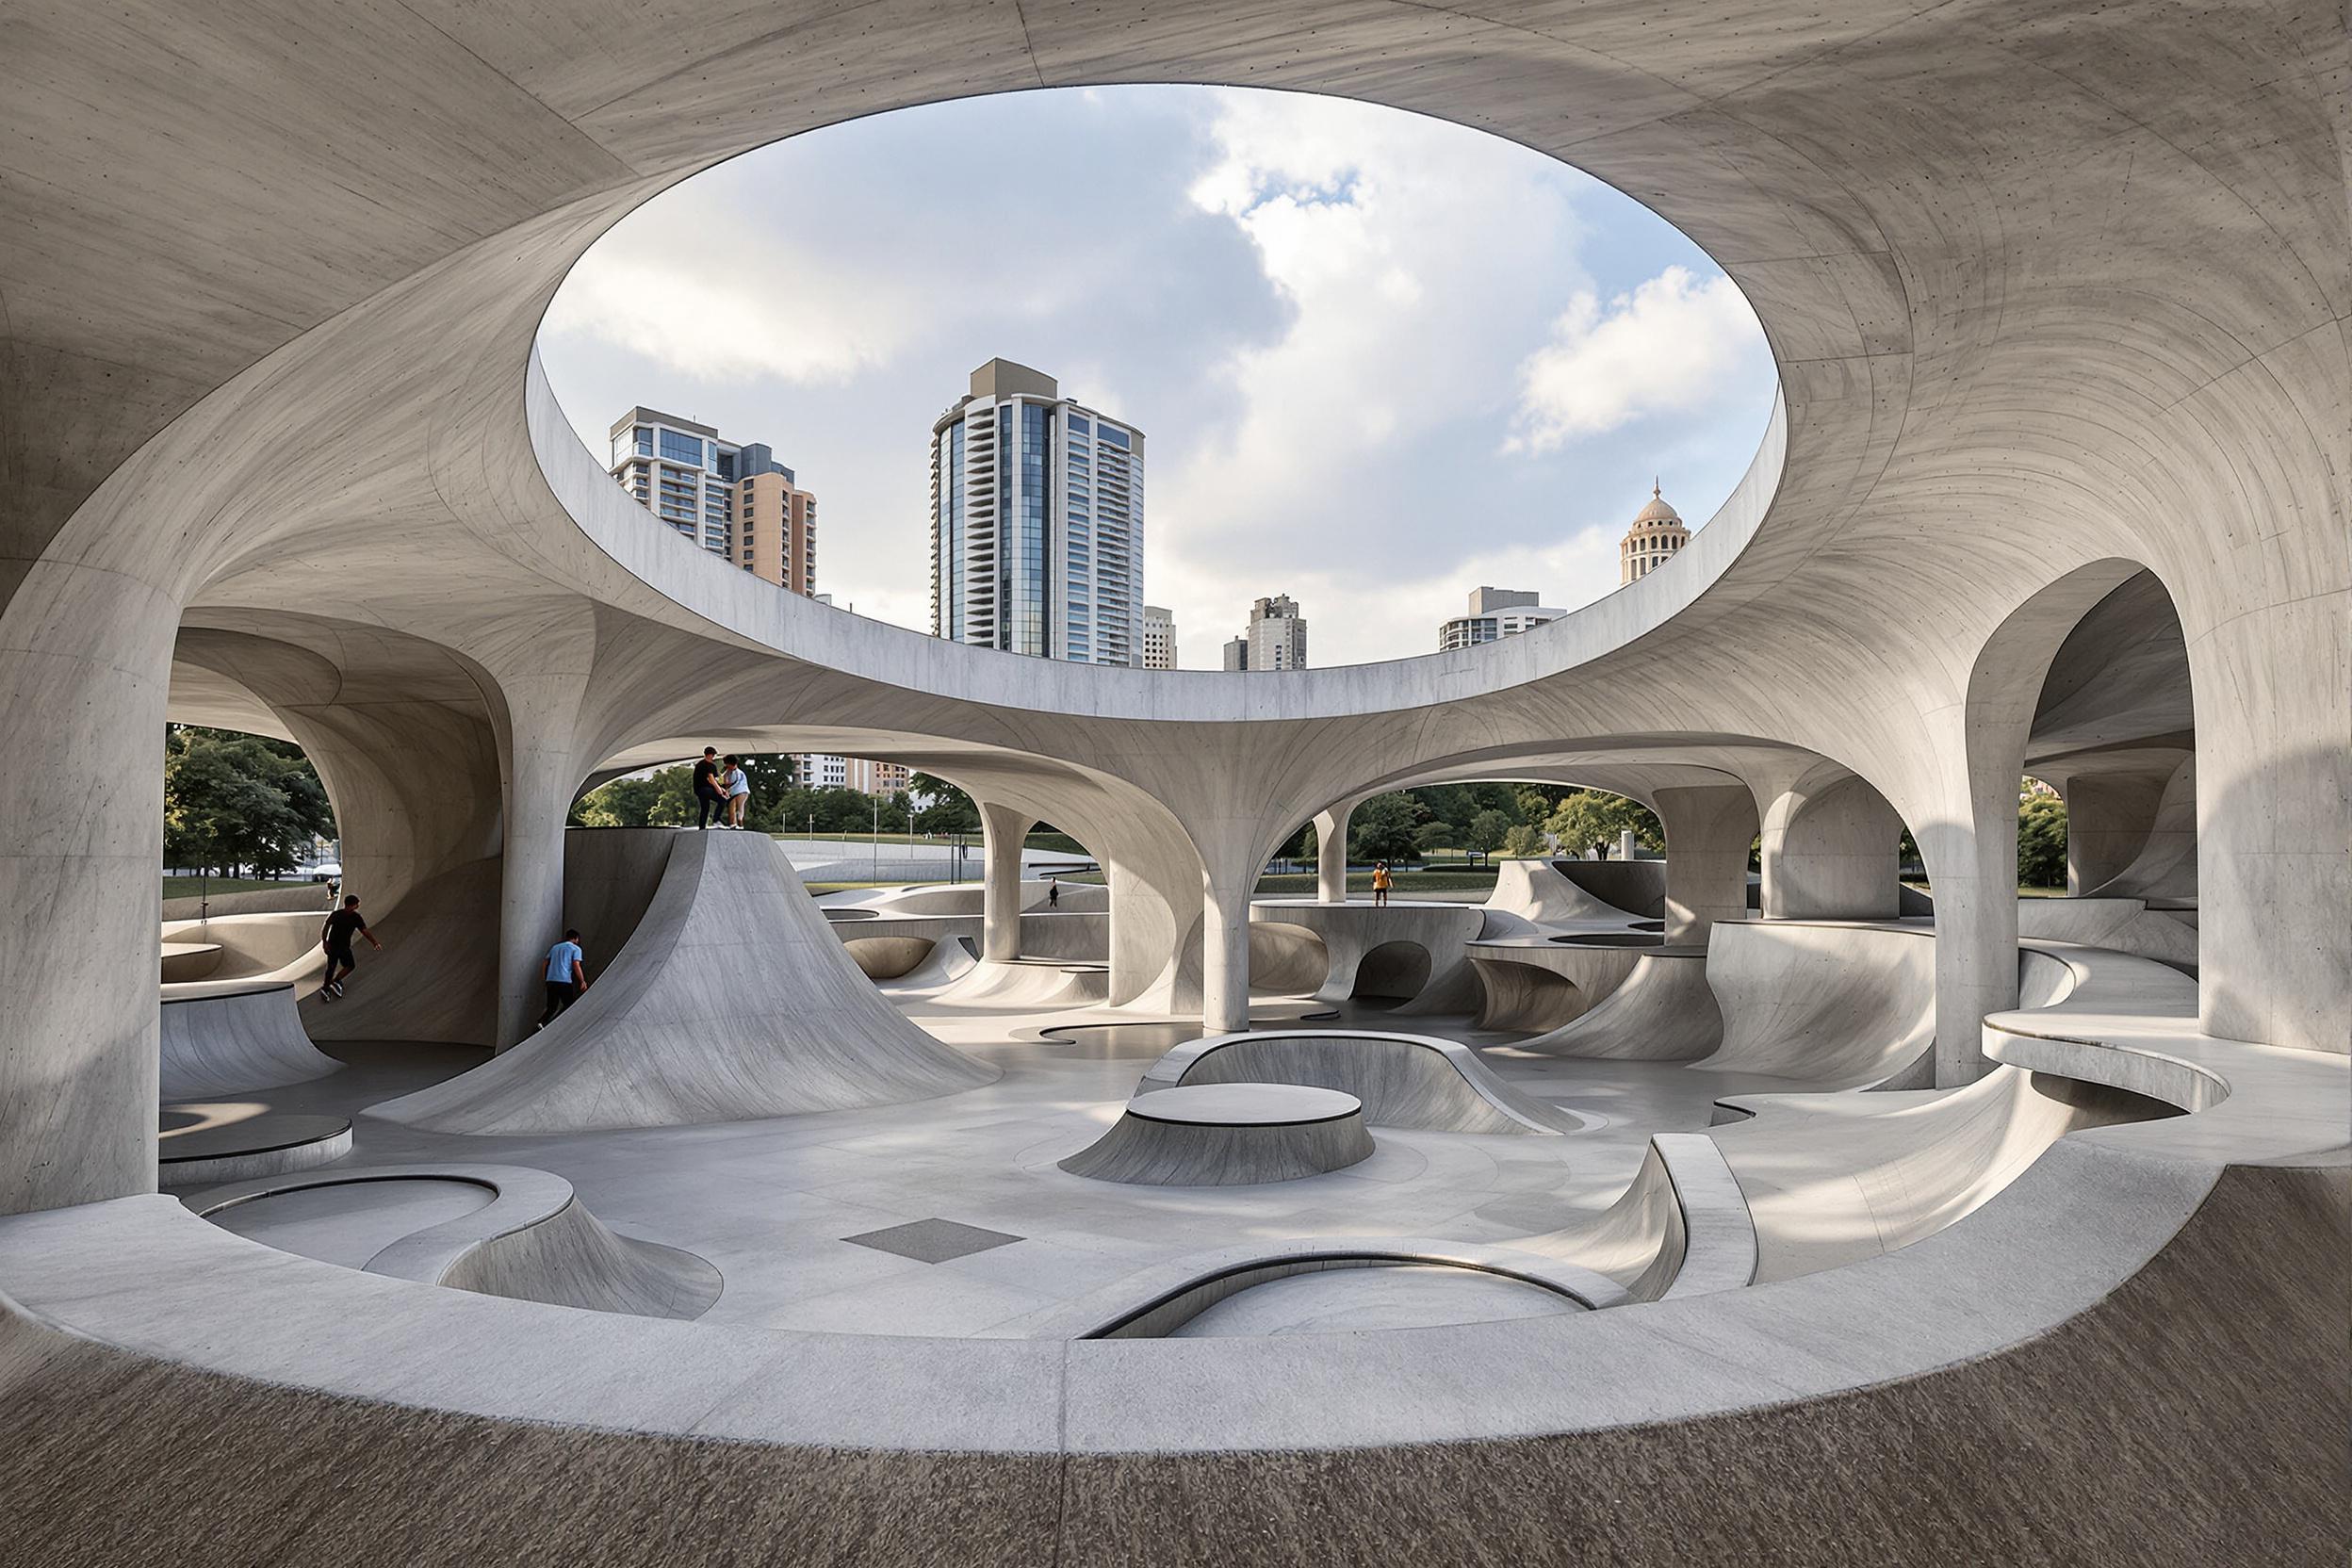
(878,837)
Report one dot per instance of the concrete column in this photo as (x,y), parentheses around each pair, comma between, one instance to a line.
(1831,851)
(1003,829)
(85,665)
(542,772)
(1225,950)
(1709,830)
(1970,848)
(1331,853)
(2273,784)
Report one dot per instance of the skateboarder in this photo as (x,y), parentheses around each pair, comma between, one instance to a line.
(1052,893)
(1380,883)
(336,938)
(567,976)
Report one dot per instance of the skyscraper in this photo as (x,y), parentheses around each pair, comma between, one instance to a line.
(1657,534)
(1036,522)
(1495,613)
(736,501)
(1276,640)
(1159,637)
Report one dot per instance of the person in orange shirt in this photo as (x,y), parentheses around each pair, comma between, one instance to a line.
(1379,882)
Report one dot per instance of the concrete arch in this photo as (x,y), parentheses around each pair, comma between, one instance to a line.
(1830,850)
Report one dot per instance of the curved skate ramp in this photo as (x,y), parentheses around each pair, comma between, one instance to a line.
(1662,1011)
(1029,983)
(222,1038)
(1403,1080)
(1536,891)
(733,1001)
(437,978)
(2120,925)
(1831,1006)
(1682,1228)
(495,1230)
(949,959)
(279,945)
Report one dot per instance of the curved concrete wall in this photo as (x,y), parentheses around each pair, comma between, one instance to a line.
(1835,1007)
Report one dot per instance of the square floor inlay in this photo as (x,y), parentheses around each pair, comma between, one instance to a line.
(932,1240)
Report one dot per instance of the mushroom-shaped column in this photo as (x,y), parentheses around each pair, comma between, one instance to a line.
(1003,829)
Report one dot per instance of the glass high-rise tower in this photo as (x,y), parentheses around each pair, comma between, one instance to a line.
(1036,522)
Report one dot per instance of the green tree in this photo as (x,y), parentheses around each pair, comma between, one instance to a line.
(951,810)
(1523,843)
(2041,841)
(1488,830)
(1590,817)
(1382,827)
(232,801)
(1436,835)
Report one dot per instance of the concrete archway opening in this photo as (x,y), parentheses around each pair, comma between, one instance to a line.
(1391,975)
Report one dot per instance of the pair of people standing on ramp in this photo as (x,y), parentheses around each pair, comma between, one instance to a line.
(723,787)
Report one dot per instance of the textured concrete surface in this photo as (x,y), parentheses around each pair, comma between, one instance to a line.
(241,1036)
(1402,1080)
(732,998)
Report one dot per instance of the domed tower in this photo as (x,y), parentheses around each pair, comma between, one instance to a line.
(1657,534)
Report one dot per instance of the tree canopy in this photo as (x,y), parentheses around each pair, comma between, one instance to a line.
(234,802)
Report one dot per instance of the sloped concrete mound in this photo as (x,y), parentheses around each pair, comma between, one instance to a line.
(1536,890)
(1662,1011)
(225,1037)
(732,1001)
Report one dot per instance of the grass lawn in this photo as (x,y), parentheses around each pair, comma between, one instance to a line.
(1406,882)
(193,887)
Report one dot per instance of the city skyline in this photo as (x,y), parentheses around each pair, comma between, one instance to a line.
(1381,358)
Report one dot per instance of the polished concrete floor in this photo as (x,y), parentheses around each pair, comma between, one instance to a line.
(774,1205)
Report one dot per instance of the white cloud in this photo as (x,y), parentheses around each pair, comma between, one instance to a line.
(1671,346)
(702,291)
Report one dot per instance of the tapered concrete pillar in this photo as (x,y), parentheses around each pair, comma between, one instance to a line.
(2273,785)
(1225,951)
(1831,851)
(2107,818)
(85,665)
(1709,829)
(1331,853)
(541,771)
(1003,829)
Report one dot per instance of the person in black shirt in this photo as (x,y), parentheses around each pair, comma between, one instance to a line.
(707,791)
(335,938)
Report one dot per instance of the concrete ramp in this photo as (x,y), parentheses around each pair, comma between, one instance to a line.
(1829,1005)
(259,948)
(1662,1011)
(221,1037)
(949,959)
(437,978)
(1832,1179)
(732,1001)
(1038,983)
(2118,924)
(1402,1080)
(1536,891)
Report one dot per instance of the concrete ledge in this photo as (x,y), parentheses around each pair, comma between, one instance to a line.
(1228,1135)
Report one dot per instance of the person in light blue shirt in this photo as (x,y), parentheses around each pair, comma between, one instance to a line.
(567,976)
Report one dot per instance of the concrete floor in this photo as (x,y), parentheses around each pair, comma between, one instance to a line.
(770,1202)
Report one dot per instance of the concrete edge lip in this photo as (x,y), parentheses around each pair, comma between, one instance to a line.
(521,1197)
(1244,1106)
(1100,1313)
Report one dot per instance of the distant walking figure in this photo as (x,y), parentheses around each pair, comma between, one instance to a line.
(1379,882)
(335,938)
(706,786)
(738,787)
(1052,893)
(567,976)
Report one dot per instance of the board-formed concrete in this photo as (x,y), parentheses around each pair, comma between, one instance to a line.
(731,999)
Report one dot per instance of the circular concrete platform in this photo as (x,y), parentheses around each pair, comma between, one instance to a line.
(1228,1135)
(200,1142)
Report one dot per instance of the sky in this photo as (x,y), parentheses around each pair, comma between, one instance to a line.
(1378,360)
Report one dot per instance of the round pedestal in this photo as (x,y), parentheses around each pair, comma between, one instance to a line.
(1228,1135)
